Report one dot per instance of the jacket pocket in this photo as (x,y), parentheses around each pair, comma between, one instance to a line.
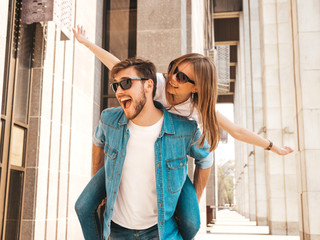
(177,172)
(110,160)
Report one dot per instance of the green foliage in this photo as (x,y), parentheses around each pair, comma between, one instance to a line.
(225,184)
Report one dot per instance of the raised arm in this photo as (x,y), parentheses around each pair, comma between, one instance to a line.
(105,57)
(247,136)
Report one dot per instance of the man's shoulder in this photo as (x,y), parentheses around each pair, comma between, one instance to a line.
(183,122)
(111,116)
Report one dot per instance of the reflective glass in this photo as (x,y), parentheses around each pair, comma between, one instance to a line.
(17,146)
(2,124)
(21,102)
(13,220)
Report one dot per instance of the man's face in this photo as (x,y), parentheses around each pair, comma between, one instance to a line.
(133,99)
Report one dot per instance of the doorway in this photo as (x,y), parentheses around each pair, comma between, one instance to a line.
(15,120)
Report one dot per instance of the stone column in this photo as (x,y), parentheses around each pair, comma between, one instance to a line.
(306,49)
(258,156)
(249,104)
(276,58)
(288,112)
(241,119)
(274,163)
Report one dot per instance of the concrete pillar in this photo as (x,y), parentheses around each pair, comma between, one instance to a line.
(240,118)
(211,195)
(244,72)
(306,36)
(279,111)
(249,104)
(258,156)
(288,112)
(275,167)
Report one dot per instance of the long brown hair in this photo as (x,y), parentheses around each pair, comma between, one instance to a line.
(205,77)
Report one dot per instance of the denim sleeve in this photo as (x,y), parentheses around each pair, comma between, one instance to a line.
(99,136)
(203,158)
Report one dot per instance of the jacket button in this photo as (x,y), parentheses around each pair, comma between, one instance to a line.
(159,185)
(121,156)
(160,204)
(157,144)
(114,192)
(158,164)
(180,163)
(125,136)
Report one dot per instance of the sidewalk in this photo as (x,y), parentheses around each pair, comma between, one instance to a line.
(231,225)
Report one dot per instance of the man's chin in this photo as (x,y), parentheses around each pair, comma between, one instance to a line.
(129,115)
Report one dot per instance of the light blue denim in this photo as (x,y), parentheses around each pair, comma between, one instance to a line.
(87,204)
(120,233)
(177,139)
(86,208)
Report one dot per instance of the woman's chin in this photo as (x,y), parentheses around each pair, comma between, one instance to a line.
(171,90)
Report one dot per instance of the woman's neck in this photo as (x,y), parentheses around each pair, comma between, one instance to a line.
(175,100)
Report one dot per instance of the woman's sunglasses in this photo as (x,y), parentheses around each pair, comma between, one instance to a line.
(125,84)
(181,77)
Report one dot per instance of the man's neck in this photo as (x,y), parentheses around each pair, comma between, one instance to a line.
(148,116)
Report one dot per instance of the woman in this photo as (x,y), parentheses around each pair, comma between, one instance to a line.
(181,93)
(189,89)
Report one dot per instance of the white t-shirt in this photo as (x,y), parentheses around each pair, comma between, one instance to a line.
(136,203)
(184,109)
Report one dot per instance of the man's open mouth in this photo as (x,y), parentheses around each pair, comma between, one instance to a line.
(126,102)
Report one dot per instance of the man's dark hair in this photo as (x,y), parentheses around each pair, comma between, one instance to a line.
(144,68)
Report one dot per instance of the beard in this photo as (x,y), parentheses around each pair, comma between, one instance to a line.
(137,105)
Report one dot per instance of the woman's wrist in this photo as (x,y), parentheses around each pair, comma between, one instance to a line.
(269,147)
(88,44)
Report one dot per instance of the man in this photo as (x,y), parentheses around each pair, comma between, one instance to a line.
(145,152)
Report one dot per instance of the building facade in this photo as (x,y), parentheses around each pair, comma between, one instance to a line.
(53,90)
(276,96)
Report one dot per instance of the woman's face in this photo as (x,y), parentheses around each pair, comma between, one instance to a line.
(181,91)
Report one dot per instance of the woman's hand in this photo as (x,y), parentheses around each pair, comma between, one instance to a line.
(104,56)
(80,35)
(281,150)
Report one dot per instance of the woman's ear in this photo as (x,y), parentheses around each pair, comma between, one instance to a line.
(194,90)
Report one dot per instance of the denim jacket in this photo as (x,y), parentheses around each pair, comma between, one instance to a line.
(175,141)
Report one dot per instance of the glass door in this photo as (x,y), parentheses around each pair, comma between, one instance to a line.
(15,120)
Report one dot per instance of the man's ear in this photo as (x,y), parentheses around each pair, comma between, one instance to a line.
(149,85)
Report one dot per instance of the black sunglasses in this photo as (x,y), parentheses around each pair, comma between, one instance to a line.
(125,84)
(181,77)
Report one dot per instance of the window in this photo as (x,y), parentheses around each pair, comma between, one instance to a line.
(119,38)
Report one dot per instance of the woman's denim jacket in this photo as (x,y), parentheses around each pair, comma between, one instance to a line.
(177,139)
